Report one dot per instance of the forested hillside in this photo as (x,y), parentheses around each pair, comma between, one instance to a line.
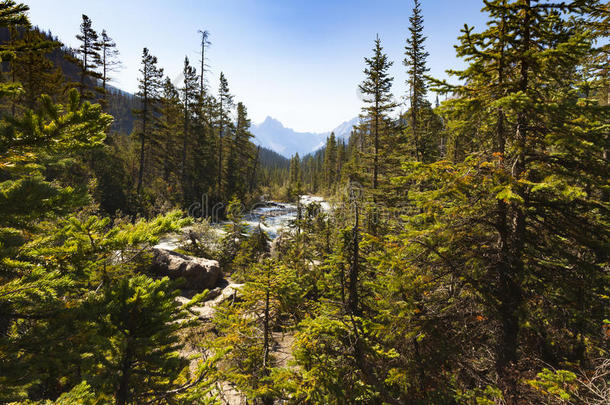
(456,253)
(147,144)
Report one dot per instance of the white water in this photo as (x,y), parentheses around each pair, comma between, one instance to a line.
(273,217)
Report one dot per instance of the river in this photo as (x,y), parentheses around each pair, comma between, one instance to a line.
(272,216)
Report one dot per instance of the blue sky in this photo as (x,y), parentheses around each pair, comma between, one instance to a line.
(297,61)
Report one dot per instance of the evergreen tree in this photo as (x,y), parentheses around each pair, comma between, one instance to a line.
(378,99)
(137,338)
(341,158)
(415,61)
(295,178)
(205,42)
(89,50)
(522,94)
(32,293)
(33,69)
(108,60)
(149,93)
(169,128)
(189,100)
(241,152)
(225,103)
(330,161)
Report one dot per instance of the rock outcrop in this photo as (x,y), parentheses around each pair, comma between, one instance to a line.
(199,273)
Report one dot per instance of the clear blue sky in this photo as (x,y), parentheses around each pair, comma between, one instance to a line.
(297,61)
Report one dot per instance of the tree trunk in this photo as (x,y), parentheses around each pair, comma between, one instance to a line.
(267,400)
(352,301)
(511,296)
(219,185)
(143,141)
(122,392)
(185,142)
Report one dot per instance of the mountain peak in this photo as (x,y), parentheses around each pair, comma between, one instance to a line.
(271,122)
(272,134)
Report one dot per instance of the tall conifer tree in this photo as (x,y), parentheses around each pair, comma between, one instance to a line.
(378,99)
(89,50)
(205,42)
(330,161)
(149,93)
(189,101)
(415,61)
(534,130)
(109,61)
(225,103)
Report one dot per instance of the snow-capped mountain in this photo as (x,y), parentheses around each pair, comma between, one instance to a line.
(344,130)
(272,134)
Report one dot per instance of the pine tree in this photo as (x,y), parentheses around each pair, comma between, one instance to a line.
(225,103)
(89,50)
(205,42)
(415,61)
(109,61)
(189,99)
(522,95)
(376,91)
(149,93)
(169,128)
(137,338)
(32,68)
(295,178)
(241,152)
(330,161)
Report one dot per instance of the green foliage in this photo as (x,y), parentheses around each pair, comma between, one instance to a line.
(558,383)
(376,126)
(136,342)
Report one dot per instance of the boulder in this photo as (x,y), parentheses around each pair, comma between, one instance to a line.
(199,273)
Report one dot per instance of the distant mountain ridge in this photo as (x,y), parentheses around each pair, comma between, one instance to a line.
(272,134)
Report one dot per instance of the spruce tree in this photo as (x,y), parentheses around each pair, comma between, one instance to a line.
(241,155)
(415,61)
(378,99)
(225,103)
(295,178)
(169,129)
(189,100)
(109,61)
(330,162)
(33,69)
(538,155)
(137,338)
(149,93)
(341,158)
(89,50)
(205,42)
(34,294)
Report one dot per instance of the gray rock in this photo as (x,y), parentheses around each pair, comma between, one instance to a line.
(213,294)
(199,273)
